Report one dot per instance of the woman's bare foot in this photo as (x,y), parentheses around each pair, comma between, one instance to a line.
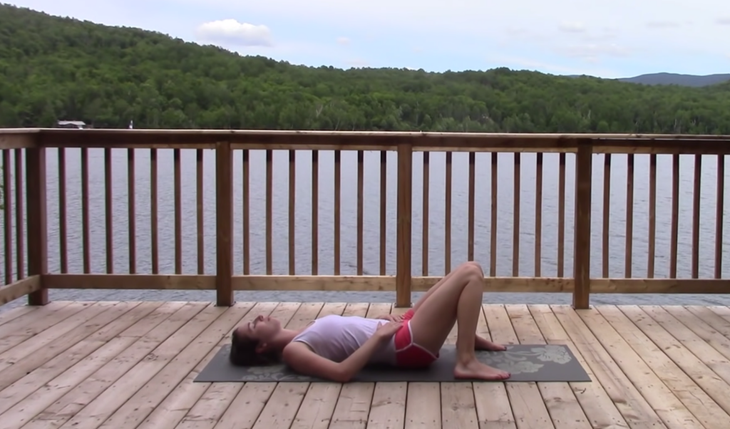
(484,344)
(473,369)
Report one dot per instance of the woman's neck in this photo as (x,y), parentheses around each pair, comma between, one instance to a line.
(284,337)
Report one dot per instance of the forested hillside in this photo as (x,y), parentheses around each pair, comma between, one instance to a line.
(55,68)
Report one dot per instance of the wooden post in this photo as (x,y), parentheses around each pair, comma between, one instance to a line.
(582,249)
(37,228)
(224,223)
(403,244)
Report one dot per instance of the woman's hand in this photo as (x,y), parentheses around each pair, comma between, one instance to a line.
(385,331)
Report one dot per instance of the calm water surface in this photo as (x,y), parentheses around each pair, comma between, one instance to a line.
(459,218)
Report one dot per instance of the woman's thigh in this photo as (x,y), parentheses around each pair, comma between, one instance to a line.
(436,316)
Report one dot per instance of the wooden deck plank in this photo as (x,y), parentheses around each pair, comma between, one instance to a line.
(25,327)
(161,324)
(703,351)
(24,320)
(240,414)
(136,371)
(721,310)
(458,403)
(52,335)
(353,405)
(628,400)
(141,379)
(319,402)
(75,341)
(458,409)
(420,412)
(169,365)
(702,391)
(286,397)
(8,315)
(216,400)
(388,407)
(76,382)
(594,401)
(663,384)
(562,405)
(528,408)
(40,369)
(708,334)
(667,406)
(420,399)
(708,380)
(717,322)
(53,312)
(491,399)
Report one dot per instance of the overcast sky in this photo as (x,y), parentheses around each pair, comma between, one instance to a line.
(607,38)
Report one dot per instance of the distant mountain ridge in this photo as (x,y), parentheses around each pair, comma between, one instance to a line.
(677,79)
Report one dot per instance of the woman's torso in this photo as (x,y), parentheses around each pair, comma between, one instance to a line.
(337,337)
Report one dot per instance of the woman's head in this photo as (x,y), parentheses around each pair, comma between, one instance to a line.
(253,343)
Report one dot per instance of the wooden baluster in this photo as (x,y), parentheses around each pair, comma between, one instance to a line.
(582,250)
(132,217)
(606,213)
(696,217)
(224,224)
(292,211)
(493,229)
(538,215)
(200,203)
(471,207)
(516,218)
(154,232)
(425,225)
(719,214)
(404,245)
(338,203)
(652,217)
(561,215)
(383,211)
(8,218)
(675,217)
(35,169)
(109,209)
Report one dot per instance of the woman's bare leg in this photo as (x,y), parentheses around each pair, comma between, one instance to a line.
(480,343)
(457,300)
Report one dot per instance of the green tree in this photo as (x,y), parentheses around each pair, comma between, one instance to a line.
(55,68)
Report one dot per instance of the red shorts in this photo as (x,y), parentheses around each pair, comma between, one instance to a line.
(407,353)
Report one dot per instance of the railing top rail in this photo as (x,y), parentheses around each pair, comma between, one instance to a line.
(18,138)
(364,140)
(20,131)
(369,134)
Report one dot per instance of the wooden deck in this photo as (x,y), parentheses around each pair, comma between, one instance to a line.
(116,365)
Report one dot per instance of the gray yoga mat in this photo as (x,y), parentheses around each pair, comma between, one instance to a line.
(526,362)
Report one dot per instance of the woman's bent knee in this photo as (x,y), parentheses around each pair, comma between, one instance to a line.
(471,269)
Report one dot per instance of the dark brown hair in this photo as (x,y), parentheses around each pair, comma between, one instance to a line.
(243,352)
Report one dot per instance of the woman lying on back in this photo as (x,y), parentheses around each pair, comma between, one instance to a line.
(338,347)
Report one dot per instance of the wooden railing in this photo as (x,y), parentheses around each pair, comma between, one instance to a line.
(37,228)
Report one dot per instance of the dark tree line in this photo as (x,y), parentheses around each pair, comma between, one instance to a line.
(62,69)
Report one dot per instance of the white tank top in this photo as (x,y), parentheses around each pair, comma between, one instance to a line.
(337,337)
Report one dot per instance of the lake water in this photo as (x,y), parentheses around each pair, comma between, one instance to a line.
(459,225)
